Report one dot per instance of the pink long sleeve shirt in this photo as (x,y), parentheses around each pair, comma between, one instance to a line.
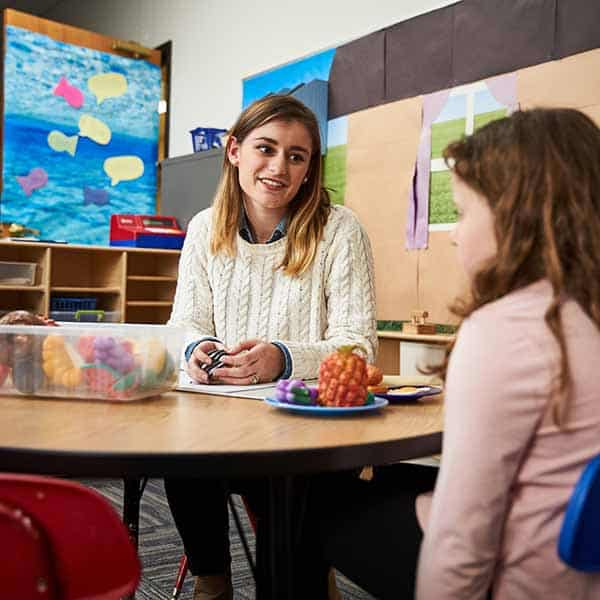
(507,471)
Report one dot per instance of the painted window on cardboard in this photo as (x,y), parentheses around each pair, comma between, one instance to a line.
(468,108)
(80,137)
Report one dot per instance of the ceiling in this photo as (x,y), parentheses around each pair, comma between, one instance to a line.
(39,8)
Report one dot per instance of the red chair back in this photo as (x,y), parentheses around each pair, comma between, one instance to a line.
(62,540)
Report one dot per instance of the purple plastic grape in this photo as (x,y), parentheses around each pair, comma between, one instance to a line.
(294,391)
(112,353)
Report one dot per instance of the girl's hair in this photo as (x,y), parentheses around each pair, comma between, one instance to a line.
(309,210)
(539,171)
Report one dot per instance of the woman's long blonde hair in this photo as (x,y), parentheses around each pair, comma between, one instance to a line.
(539,171)
(309,210)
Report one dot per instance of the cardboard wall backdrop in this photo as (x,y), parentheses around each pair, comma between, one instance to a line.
(376,87)
(379,174)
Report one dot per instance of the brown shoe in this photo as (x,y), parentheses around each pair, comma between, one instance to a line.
(333,592)
(213,587)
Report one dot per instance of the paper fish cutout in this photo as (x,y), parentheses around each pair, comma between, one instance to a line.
(107,85)
(95,129)
(60,142)
(69,92)
(97,197)
(36,179)
(123,168)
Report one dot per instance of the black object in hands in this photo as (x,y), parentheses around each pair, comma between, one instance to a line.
(215,356)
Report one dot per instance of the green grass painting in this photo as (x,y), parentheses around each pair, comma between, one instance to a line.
(445,132)
(334,173)
(484,118)
(441,206)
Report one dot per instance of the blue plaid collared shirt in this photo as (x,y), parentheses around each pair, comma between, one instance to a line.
(246,231)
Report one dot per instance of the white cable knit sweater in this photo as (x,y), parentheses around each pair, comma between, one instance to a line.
(246,297)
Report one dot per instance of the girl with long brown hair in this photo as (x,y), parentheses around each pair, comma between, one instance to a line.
(522,411)
(522,407)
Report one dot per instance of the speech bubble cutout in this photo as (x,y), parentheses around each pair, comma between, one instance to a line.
(107,85)
(59,142)
(123,168)
(95,129)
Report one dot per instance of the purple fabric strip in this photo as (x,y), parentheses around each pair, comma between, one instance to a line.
(417,225)
(504,89)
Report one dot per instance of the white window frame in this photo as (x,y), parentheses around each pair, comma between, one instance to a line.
(438,164)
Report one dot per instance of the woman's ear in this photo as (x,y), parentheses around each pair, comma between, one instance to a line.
(233,151)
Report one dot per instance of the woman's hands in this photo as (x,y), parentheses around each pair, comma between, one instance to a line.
(199,357)
(250,362)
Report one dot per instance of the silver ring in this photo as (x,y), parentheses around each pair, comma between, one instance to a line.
(255,379)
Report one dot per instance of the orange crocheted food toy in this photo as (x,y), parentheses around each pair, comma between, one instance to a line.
(343,379)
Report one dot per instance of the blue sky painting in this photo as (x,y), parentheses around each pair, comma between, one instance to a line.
(287,76)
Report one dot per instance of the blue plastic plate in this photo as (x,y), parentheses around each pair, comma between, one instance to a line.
(398,398)
(328,410)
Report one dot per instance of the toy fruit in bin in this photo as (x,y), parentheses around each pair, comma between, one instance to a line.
(21,354)
(343,379)
(58,365)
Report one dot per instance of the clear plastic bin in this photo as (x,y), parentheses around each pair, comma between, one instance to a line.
(95,361)
(17,273)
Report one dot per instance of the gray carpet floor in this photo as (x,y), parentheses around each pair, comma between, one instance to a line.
(160,548)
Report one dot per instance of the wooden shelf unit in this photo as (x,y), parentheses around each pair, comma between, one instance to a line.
(138,282)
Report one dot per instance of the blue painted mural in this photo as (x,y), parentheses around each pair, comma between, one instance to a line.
(80,137)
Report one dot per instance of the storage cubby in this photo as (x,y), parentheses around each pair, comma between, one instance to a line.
(96,269)
(137,283)
(151,282)
(148,312)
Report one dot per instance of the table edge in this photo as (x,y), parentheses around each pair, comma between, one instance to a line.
(221,464)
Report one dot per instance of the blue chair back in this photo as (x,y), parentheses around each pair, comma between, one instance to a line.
(579,540)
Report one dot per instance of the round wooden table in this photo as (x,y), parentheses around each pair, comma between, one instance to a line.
(189,434)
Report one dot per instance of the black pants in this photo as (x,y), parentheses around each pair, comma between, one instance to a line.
(199,508)
(368,530)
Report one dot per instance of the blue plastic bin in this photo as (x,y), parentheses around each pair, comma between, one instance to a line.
(207,138)
(72,304)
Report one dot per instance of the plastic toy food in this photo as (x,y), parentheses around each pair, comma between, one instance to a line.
(21,353)
(295,391)
(407,389)
(374,375)
(150,354)
(58,364)
(343,379)
(112,353)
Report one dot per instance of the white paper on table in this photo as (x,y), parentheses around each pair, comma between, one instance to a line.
(260,390)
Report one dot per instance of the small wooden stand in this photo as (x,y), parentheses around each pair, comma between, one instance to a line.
(418,323)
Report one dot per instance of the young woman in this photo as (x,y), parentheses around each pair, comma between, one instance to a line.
(522,414)
(278,277)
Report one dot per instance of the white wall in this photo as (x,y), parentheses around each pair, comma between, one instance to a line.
(216,43)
